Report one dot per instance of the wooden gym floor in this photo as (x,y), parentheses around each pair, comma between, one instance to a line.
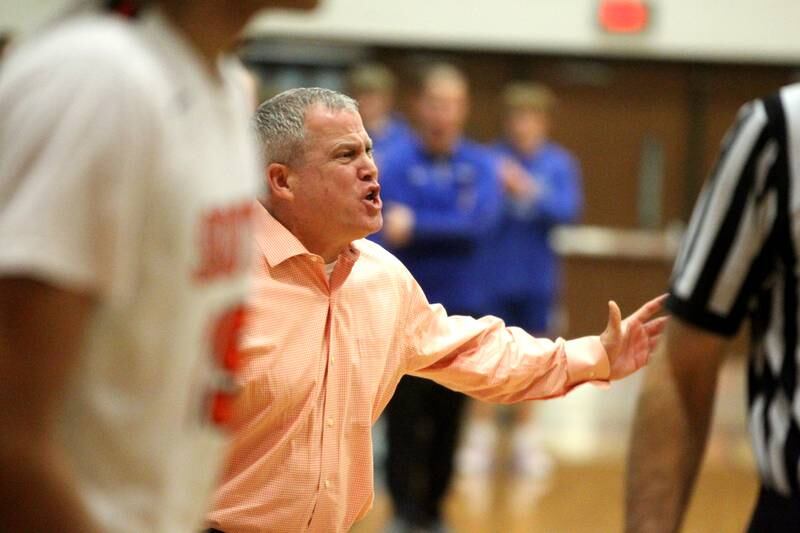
(586,434)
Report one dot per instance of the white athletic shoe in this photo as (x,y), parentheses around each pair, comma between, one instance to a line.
(478,448)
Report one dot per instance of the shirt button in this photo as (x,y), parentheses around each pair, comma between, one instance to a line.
(329,422)
(327,484)
(333,359)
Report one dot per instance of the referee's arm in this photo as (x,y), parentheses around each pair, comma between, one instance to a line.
(671,427)
(724,256)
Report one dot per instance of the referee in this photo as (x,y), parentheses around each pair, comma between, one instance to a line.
(738,261)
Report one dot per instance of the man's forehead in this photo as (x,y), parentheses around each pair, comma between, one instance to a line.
(334,124)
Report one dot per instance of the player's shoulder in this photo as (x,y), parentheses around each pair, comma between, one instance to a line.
(95,48)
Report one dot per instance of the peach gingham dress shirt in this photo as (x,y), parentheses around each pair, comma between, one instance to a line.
(322,358)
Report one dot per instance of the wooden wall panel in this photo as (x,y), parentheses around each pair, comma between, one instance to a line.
(606,110)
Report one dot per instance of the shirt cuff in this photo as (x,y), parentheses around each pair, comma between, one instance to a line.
(587,361)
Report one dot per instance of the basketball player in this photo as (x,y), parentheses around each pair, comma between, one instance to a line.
(126,176)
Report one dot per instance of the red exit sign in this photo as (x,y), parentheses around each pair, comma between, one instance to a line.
(624,16)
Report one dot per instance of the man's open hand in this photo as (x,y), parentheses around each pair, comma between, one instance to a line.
(629,342)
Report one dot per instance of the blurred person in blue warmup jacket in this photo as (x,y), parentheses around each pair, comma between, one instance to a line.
(373,85)
(542,184)
(443,199)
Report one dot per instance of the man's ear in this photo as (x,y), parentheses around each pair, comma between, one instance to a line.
(279,181)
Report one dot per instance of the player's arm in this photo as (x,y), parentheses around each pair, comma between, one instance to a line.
(671,427)
(41,329)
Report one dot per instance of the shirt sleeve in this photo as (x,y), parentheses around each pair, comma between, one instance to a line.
(487,360)
(76,137)
(729,246)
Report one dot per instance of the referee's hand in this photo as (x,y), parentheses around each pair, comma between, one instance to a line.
(628,343)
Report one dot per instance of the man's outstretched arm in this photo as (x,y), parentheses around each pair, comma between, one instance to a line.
(671,427)
(490,361)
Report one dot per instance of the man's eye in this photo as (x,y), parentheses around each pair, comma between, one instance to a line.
(345,155)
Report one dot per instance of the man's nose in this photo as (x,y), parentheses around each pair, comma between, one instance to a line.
(370,170)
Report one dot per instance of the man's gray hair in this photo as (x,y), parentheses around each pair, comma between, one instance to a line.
(280,121)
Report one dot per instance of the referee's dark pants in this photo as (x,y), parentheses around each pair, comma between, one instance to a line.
(775,513)
(423,421)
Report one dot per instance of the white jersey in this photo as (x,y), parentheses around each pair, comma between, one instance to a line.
(128,171)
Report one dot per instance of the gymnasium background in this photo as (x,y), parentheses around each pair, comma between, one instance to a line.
(644,112)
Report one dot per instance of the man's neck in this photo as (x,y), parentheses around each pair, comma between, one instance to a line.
(316,244)
(209,26)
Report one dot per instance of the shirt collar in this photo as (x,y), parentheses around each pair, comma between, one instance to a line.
(279,244)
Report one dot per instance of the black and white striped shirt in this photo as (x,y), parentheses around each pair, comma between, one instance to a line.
(739,260)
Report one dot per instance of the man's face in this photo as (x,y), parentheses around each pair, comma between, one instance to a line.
(336,184)
(441,113)
(526,128)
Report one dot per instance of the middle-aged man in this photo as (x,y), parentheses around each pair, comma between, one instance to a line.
(335,321)
(127,172)
(738,260)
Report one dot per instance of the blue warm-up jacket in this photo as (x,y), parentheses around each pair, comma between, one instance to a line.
(456,200)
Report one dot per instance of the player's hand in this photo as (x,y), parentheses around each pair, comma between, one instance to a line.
(516,181)
(628,343)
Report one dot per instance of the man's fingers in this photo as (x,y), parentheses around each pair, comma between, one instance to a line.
(654,342)
(656,326)
(651,308)
(614,316)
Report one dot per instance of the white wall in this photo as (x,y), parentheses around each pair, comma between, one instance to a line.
(22,15)
(738,30)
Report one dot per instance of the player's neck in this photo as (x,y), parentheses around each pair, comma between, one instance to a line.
(208,26)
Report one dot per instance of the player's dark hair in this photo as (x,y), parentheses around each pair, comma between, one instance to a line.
(126,8)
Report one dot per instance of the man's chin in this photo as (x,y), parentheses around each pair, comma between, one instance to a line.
(375,228)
